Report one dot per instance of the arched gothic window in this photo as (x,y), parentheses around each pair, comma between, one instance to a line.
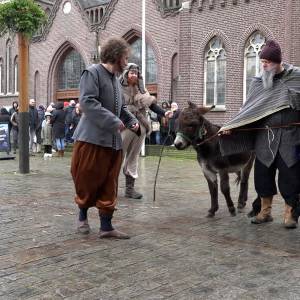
(8,68)
(16,76)
(36,88)
(174,75)
(96,16)
(151,64)
(215,73)
(92,16)
(1,76)
(252,65)
(70,70)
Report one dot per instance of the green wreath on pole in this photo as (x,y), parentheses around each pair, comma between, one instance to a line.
(21,16)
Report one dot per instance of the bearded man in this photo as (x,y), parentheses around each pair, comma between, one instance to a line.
(272,106)
(97,153)
(138,101)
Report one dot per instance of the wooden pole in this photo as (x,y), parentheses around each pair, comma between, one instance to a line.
(23,104)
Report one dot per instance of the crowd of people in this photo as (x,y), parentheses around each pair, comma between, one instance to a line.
(50,127)
(163,130)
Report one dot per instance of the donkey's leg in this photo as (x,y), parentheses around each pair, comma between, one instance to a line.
(212,181)
(225,189)
(245,173)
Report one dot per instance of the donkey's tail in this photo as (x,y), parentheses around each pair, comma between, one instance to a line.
(238,178)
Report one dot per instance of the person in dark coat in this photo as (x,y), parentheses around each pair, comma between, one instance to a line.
(33,124)
(41,116)
(4,115)
(14,108)
(58,122)
(14,120)
(76,116)
(69,115)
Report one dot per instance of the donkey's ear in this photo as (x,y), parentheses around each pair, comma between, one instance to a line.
(191,104)
(204,110)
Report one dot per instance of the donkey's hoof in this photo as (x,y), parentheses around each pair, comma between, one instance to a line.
(241,205)
(232,213)
(210,214)
(240,210)
(251,214)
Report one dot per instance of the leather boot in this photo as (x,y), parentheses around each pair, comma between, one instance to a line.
(265,212)
(289,221)
(62,153)
(130,192)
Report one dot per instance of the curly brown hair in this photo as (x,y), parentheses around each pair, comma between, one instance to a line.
(113,49)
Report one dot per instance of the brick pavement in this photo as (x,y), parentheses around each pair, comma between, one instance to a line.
(175,252)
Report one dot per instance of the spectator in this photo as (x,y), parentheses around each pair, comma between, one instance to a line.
(75,119)
(33,125)
(47,136)
(41,117)
(69,114)
(173,120)
(58,121)
(14,108)
(155,128)
(14,119)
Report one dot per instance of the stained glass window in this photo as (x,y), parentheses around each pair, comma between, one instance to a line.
(70,70)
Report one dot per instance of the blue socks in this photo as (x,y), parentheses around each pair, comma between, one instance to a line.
(105,222)
(82,214)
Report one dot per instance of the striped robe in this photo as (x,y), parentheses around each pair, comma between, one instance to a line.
(261,103)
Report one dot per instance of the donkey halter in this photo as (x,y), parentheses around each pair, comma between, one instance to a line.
(201,133)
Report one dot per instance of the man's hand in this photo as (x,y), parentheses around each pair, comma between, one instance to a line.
(121,127)
(224,132)
(169,114)
(135,127)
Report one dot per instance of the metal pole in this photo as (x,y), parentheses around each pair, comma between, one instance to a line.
(23,104)
(143,54)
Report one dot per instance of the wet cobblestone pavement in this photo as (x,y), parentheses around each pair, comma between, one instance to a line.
(175,252)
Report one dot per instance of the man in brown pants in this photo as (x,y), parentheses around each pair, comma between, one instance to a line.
(97,154)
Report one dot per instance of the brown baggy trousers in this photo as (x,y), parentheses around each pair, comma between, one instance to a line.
(95,171)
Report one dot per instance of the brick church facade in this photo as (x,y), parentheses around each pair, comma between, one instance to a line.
(206,51)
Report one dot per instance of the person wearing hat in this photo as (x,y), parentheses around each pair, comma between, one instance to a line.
(47,135)
(138,101)
(273,104)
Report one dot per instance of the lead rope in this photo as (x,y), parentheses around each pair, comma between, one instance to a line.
(158,165)
(270,140)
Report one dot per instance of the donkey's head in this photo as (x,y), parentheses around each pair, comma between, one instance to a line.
(191,129)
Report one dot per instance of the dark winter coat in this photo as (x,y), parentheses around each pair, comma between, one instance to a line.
(69,113)
(58,121)
(33,117)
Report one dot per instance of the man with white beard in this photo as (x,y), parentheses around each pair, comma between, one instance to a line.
(271,109)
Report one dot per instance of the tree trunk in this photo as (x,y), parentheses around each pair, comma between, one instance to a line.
(23,104)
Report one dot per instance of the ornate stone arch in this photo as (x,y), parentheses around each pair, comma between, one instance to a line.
(66,46)
(246,35)
(211,35)
(129,33)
